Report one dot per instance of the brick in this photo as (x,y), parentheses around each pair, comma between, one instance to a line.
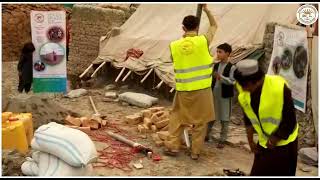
(166,128)
(156,109)
(147,122)
(164,116)
(159,113)
(141,129)
(163,135)
(155,119)
(155,137)
(146,113)
(162,124)
(73,121)
(133,119)
(154,128)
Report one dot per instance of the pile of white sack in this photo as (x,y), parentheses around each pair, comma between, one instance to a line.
(60,151)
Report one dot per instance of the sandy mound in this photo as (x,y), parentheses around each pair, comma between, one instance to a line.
(43,109)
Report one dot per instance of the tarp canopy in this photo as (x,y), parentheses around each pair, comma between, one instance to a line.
(153,26)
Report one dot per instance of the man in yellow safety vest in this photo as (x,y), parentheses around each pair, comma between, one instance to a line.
(268,111)
(193,101)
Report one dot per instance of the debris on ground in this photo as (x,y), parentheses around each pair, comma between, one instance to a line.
(77,93)
(43,110)
(110,87)
(309,156)
(11,163)
(236,172)
(138,99)
(111,95)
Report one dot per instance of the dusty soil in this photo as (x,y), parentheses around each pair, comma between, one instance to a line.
(211,163)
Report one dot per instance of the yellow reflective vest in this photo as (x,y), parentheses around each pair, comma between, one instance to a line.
(192,63)
(270,110)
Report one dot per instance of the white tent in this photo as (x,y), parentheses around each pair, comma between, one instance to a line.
(153,26)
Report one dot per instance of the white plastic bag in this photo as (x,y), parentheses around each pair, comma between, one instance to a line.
(30,167)
(138,99)
(70,145)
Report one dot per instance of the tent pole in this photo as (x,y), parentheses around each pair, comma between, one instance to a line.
(118,77)
(145,77)
(126,76)
(159,85)
(172,89)
(85,72)
(98,68)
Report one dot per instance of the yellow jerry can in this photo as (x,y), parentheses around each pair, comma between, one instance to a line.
(14,136)
(26,118)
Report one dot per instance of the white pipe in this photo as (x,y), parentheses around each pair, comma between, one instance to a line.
(126,76)
(120,74)
(172,89)
(145,77)
(85,71)
(159,85)
(98,68)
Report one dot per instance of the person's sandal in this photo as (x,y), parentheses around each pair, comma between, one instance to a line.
(195,156)
(220,145)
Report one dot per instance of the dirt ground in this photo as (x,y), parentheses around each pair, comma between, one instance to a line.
(211,163)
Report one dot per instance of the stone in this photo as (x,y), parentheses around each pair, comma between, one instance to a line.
(124,104)
(159,143)
(73,121)
(138,99)
(305,168)
(154,128)
(77,93)
(138,165)
(141,129)
(110,87)
(124,87)
(309,156)
(237,140)
(111,95)
(147,122)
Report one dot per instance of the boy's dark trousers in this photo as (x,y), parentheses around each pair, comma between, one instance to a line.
(23,86)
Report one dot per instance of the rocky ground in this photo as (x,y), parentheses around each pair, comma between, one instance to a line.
(212,162)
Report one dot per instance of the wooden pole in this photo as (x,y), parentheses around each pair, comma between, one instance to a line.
(86,71)
(98,68)
(117,79)
(199,13)
(146,76)
(94,106)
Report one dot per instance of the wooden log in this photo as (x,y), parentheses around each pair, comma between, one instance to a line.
(120,74)
(101,65)
(146,76)
(85,72)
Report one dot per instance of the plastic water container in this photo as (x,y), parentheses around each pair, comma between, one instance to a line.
(14,136)
(26,118)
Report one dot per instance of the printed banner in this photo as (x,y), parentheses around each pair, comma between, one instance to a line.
(49,59)
(290,60)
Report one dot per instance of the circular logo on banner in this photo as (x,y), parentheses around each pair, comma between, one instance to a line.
(39,18)
(307,14)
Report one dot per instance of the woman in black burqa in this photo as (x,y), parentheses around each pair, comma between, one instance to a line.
(25,68)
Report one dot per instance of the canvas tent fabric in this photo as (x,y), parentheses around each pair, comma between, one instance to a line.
(153,26)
